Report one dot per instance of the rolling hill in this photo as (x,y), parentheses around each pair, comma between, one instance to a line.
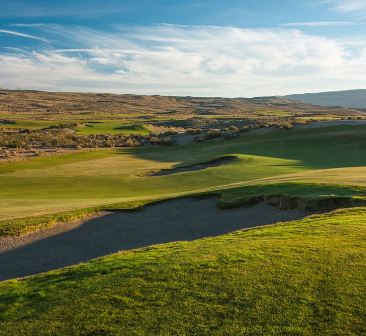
(349,98)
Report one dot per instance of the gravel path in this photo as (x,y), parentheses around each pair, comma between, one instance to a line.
(175,220)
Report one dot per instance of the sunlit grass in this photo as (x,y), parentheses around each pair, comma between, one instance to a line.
(299,278)
(111,127)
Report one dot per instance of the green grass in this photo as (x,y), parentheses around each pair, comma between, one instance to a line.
(89,127)
(299,278)
(310,195)
(306,191)
(30,124)
(277,113)
(87,179)
(112,127)
(53,161)
(20,226)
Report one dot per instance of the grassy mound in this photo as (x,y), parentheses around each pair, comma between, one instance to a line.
(299,278)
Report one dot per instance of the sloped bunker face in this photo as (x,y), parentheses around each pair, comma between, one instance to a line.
(224,160)
(175,220)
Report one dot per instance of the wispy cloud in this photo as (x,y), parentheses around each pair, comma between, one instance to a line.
(31,25)
(15,33)
(322,24)
(83,9)
(188,60)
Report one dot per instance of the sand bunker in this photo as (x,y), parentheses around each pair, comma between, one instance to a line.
(199,166)
(175,220)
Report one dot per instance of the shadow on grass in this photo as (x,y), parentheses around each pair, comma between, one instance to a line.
(319,148)
(175,220)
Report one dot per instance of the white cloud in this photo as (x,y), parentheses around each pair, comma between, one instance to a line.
(186,60)
(350,5)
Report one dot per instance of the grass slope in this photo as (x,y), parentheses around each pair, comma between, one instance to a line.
(300,278)
(87,179)
(28,124)
(86,126)
(309,195)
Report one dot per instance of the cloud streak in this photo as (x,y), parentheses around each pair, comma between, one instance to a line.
(188,60)
(15,33)
(322,24)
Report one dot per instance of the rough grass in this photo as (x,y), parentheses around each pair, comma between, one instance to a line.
(112,127)
(309,194)
(20,226)
(299,278)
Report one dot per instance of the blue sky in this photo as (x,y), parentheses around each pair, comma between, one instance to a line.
(211,48)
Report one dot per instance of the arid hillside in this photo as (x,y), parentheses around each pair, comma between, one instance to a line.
(49,106)
(33,121)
